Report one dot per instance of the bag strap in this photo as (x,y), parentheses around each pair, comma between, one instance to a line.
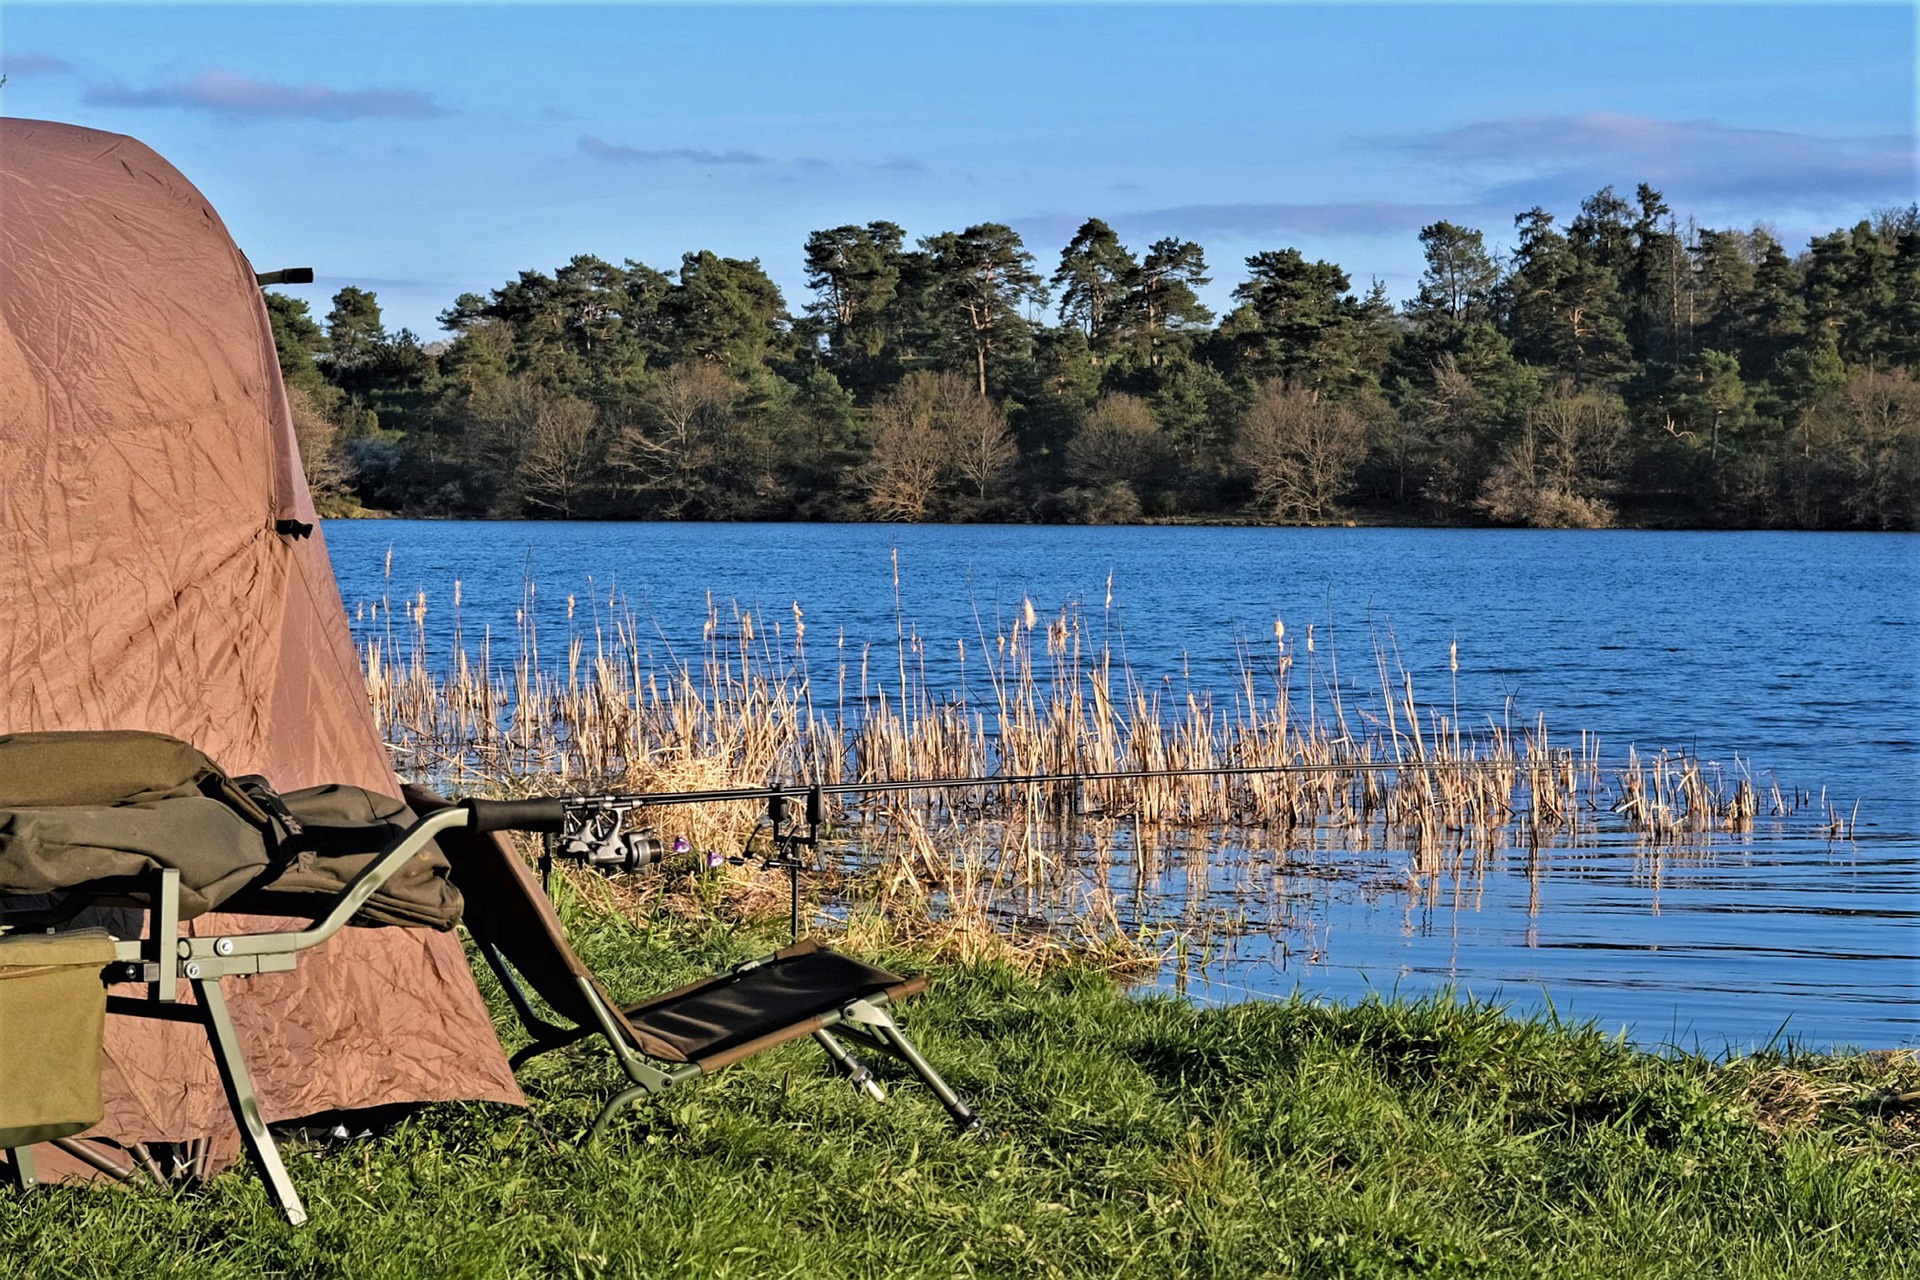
(256,800)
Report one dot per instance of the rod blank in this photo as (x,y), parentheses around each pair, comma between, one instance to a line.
(549,813)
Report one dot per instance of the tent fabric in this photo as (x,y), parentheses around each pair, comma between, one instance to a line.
(146,459)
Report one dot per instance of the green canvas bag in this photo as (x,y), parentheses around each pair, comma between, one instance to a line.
(53,1010)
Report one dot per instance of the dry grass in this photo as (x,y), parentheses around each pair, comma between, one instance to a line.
(1869,1101)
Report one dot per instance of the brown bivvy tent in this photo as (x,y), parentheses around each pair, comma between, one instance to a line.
(161,569)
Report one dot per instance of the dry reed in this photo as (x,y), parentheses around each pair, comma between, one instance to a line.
(1003,865)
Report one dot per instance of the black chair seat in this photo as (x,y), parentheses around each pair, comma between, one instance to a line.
(792,994)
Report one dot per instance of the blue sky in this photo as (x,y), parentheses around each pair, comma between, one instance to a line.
(431,150)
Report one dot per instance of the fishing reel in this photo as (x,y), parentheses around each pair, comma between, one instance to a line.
(600,832)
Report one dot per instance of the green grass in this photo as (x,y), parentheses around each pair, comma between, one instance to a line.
(1131,1137)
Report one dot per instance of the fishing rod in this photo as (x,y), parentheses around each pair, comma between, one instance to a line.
(548,813)
(594,826)
(598,830)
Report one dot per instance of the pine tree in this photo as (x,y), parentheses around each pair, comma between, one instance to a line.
(1296,320)
(855,273)
(1458,283)
(1774,318)
(1721,293)
(354,338)
(981,277)
(1091,281)
(297,341)
(1850,287)
(1562,302)
(1658,283)
(1161,305)
(727,312)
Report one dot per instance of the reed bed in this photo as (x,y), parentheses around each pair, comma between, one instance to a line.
(1333,763)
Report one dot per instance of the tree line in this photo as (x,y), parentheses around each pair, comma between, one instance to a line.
(1622,368)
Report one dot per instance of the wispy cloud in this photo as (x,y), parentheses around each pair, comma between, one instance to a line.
(900,164)
(621,153)
(1500,167)
(238,97)
(1356,217)
(34,64)
(1524,158)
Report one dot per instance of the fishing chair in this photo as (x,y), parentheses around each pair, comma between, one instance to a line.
(806,989)
(144,822)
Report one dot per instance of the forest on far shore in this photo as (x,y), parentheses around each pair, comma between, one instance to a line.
(1622,368)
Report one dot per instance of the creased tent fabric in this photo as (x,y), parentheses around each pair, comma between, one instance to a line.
(146,454)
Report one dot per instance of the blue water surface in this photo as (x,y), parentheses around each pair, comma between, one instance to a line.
(1795,656)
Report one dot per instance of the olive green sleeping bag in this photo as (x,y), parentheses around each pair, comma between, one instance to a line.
(105,809)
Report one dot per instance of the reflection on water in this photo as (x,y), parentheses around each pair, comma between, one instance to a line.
(1772,933)
(1798,652)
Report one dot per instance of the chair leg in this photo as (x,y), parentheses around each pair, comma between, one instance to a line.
(877,1022)
(546,1035)
(91,1155)
(857,1072)
(615,1105)
(646,1079)
(20,1170)
(242,1101)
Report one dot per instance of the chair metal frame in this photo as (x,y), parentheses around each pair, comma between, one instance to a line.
(864,1018)
(516,929)
(165,961)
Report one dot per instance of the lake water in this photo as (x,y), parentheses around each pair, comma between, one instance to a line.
(1795,654)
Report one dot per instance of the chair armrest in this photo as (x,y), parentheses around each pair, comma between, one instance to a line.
(351,899)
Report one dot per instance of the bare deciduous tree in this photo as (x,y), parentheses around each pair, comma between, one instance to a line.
(1452,421)
(687,415)
(318,440)
(939,447)
(500,414)
(979,444)
(903,467)
(1119,443)
(558,454)
(1869,431)
(1521,489)
(1556,474)
(1300,450)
